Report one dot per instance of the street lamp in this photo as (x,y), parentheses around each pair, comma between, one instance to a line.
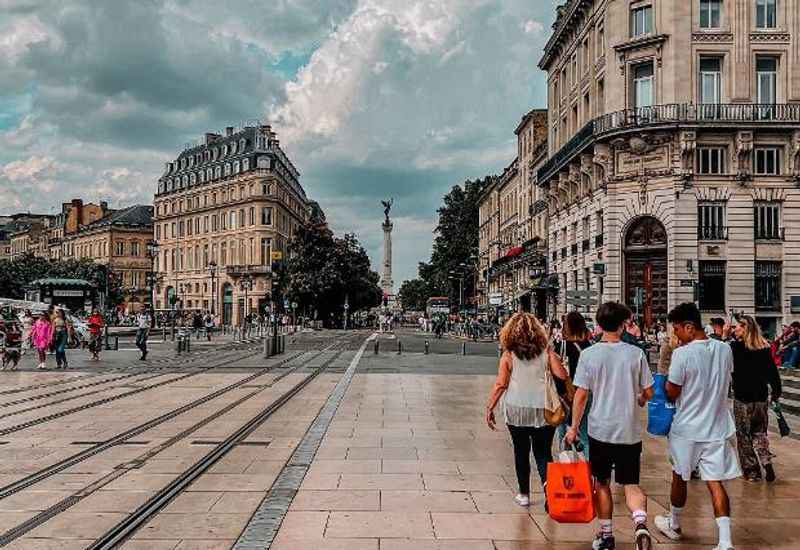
(212,270)
(152,252)
(246,284)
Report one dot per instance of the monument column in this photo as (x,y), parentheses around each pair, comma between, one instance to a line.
(387,285)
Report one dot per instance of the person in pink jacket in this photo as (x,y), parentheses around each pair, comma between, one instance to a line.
(42,337)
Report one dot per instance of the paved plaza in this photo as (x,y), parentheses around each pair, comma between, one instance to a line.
(351,450)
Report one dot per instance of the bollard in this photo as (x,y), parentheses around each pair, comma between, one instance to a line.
(179,347)
(427,347)
(376,346)
(188,344)
(399,347)
(499,351)
(116,343)
(266,347)
(164,334)
(463,348)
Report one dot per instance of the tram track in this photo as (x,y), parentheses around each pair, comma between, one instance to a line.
(32,479)
(86,406)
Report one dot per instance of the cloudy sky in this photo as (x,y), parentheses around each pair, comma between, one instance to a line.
(370,98)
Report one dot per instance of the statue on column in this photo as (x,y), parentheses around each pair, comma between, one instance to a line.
(387,207)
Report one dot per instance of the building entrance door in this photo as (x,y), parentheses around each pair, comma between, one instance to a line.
(227,304)
(646,281)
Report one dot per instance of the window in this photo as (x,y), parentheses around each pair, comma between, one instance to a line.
(223,253)
(251,217)
(766,14)
(768,286)
(641,21)
(601,42)
(710,14)
(711,221)
(766,161)
(245,165)
(712,286)
(158,232)
(767,218)
(643,85)
(134,248)
(214,222)
(119,249)
(766,80)
(710,78)
(266,251)
(710,160)
(266,215)
(241,217)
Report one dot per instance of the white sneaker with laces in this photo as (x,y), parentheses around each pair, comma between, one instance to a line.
(522,500)
(664,524)
(721,547)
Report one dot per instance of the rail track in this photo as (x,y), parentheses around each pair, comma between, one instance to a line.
(77,458)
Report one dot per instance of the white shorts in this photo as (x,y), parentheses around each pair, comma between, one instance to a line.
(715,460)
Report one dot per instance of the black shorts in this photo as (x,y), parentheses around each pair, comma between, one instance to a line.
(625,460)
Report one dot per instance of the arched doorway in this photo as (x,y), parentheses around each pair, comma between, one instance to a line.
(170,297)
(646,280)
(227,304)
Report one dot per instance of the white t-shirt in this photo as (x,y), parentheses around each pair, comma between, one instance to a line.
(703,370)
(615,373)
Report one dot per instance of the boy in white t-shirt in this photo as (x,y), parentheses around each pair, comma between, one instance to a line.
(699,378)
(619,378)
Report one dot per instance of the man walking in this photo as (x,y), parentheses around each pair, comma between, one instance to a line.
(618,376)
(699,378)
(143,323)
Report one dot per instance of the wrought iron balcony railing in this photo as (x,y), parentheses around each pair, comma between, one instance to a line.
(712,233)
(728,114)
(770,233)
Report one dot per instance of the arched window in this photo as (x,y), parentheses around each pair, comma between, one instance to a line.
(242,145)
(217,172)
(209,174)
(227,168)
(237,167)
(201,176)
(233,148)
(245,165)
(193,178)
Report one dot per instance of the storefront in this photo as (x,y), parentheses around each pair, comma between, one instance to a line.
(75,294)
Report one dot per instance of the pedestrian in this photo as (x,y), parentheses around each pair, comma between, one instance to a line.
(96,324)
(576,339)
(42,338)
(521,383)
(753,371)
(27,326)
(208,321)
(618,376)
(790,346)
(143,324)
(698,382)
(717,328)
(62,329)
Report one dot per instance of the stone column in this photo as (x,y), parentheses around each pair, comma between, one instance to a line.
(387,285)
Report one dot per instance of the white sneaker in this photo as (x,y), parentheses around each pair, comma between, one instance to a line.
(522,500)
(664,524)
(721,547)
(42,366)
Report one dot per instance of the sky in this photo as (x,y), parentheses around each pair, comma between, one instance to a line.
(371,99)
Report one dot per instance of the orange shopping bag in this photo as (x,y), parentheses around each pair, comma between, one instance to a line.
(569,489)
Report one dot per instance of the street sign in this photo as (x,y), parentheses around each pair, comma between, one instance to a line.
(495,299)
(687,283)
(599,269)
(277,255)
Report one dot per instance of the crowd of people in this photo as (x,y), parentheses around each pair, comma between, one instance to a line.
(604,380)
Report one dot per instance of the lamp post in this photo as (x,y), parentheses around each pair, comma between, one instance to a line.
(212,270)
(246,285)
(152,253)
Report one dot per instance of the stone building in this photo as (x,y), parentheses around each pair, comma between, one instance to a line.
(73,216)
(118,240)
(674,157)
(225,211)
(513,224)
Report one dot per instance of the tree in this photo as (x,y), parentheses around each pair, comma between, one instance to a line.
(414,295)
(323,270)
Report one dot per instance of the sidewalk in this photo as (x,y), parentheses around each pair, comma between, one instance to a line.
(408,463)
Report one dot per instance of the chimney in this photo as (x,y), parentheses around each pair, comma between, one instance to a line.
(229,131)
(211,137)
(104,206)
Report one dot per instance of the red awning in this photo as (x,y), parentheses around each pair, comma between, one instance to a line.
(514,252)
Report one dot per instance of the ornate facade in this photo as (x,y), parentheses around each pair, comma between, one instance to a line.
(674,160)
(224,212)
(513,223)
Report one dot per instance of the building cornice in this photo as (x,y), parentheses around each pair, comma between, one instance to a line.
(568,16)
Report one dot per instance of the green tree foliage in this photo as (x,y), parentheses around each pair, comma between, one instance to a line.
(414,295)
(16,274)
(323,269)
(455,248)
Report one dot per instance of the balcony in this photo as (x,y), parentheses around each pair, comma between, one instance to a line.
(712,233)
(769,233)
(722,114)
(236,271)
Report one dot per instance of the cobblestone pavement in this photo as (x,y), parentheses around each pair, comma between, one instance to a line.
(404,461)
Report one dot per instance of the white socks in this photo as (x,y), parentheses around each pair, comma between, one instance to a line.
(606,530)
(675,516)
(724,525)
(639,517)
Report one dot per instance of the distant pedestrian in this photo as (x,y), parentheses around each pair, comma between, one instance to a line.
(27,326)
(699,439)
(96,324)
(208,321)
(143,323)
(42,338)
(753,371)
(62,330)
(618,376)
(521,383)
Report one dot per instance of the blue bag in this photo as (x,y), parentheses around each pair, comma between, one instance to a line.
(660,411)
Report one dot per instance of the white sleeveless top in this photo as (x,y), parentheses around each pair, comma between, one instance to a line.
(524,400)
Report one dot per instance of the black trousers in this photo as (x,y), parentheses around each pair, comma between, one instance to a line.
(524,439)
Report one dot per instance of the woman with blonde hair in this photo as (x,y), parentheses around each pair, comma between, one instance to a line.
(521,382)
(753,371)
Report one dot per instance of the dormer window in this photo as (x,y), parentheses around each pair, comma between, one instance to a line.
(227,169)
(193,178)
(245,165)
(242,144)
(233,148)
(236,167)
(209,174)
(214,153)
(224,150)
(217,172)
